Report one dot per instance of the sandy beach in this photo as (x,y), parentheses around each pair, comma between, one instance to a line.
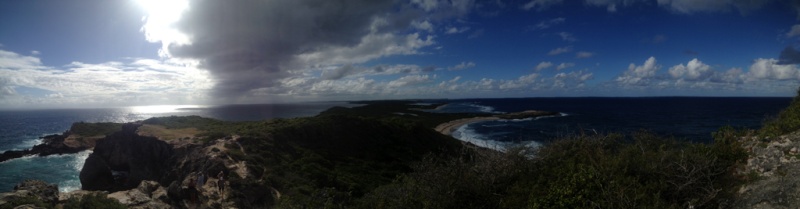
(449,127)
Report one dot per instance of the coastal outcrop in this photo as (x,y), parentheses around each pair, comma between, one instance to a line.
(81,136)
(51,145)
(123,159)
(40,190)
(773,167)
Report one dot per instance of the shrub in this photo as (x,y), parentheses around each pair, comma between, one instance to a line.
(788,120)
(92,201)
(29,200)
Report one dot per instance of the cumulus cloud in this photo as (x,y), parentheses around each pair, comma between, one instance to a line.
(769,69)
(564,66)
(462,65)
(693,70)
(424,26)
(584,54)
(639,75)
(543,65)
(560,50)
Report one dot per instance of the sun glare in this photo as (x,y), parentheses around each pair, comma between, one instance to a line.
(160,21)
(156,109)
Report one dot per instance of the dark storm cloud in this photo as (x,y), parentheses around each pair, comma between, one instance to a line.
(789,56)
(249,44)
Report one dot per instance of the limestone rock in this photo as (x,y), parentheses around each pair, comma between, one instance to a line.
(776,164)
(38,189)
(147,195)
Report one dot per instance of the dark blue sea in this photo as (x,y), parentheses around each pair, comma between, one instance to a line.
(686,118)
(689,118)
(21,129)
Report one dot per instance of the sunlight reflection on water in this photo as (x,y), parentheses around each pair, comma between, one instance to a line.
(160,109)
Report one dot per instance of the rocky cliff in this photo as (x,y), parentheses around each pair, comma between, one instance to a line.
(120,161)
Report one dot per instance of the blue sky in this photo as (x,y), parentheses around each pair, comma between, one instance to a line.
(147,52)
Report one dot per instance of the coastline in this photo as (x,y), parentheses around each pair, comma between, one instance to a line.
(448,127)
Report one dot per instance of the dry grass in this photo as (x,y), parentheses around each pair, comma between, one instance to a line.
(166,134)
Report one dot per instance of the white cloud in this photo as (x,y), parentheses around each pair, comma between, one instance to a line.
(11,60)
(693,70)
(568,37)
(456,30)
(462,65)
(34,52)
(560,50)
(694,6)
(410,80)
(134,82)
(564,66)
(543,65)
(549,23)
(769,69)
(540,5)
(427,5)
(795,31)
(639,75)
(424,25)
(584,54)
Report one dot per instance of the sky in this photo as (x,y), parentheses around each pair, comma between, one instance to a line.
(100,53)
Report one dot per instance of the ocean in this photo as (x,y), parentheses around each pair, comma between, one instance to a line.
(21,129)
(687,118)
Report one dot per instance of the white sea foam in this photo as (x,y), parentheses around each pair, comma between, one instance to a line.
(484,108)
(467,134)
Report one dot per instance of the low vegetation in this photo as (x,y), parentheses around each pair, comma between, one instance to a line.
(95,129)
(92,201)
(787,120)
(603,171)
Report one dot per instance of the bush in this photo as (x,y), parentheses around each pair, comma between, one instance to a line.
(787,120)
(95,129)
(603,171)
(93,201)
(29,200)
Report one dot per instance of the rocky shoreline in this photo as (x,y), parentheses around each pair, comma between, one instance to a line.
(51,145)
(139,171)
